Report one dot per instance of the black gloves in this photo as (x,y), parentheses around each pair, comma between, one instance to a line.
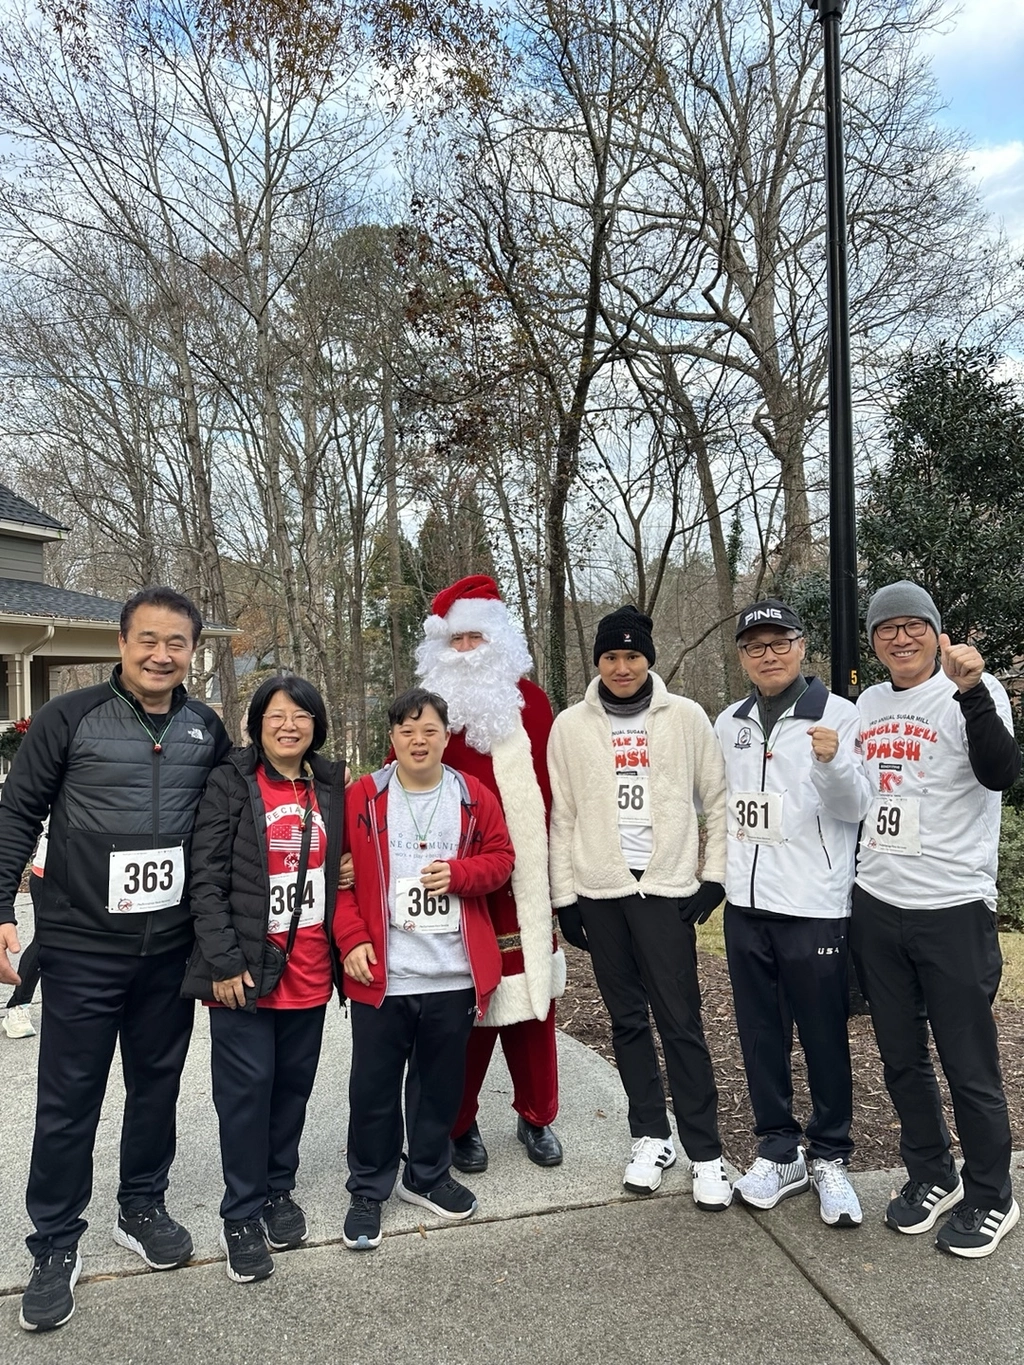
(570,921)
(706,899)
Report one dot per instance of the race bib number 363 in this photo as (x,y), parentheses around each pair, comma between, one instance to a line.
(420,911)
(146,879)
(892,825)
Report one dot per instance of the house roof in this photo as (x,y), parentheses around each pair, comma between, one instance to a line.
(15,508)
(41,602)
(21,598)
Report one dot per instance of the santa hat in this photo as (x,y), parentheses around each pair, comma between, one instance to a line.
(472,603)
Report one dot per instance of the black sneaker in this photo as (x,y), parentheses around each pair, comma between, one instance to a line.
(976,1232)
(919,1206)
(154,1235)
(449,1200)
(248,1256)
(283,1222)
(362,1224)
(49,1300)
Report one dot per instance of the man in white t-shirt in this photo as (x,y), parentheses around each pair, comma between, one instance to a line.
(939,747)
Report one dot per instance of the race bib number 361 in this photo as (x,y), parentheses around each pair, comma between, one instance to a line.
(756,817)
(146,879)
(892,825)
(420,911)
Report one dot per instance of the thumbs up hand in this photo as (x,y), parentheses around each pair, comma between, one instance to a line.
(962,664)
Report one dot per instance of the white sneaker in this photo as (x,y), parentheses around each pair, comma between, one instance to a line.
(17,1022)
(839,1205)
(648,1157)
(768,1182)
(711,1189)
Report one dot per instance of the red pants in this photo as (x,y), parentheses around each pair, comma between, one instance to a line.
(532,1062)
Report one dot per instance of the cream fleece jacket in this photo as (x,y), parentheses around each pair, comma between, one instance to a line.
(687,774)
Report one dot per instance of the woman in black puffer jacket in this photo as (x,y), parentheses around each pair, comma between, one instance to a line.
(267,809)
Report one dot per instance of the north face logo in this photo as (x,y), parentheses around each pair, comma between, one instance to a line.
(195,732)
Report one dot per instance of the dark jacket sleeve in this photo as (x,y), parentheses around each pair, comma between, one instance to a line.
(992,749)
(213,847)
(32,785)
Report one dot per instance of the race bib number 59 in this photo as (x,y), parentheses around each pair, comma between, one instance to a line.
(420,911)
(892,825)
(146,879)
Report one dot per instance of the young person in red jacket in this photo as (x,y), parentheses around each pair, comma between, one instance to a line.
(421,962)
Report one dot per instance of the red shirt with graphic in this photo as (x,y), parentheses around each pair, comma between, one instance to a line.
(307,980)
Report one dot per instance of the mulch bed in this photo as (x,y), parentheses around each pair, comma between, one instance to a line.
(581,1013)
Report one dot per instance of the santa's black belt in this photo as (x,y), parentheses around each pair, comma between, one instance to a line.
(510,943)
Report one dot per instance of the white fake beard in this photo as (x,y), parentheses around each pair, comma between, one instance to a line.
(480,689)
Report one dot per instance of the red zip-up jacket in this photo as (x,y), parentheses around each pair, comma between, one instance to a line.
(484,862)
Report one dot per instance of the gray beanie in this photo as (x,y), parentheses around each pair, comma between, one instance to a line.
(901,599)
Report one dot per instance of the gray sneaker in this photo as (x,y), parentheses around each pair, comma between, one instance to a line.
(837,1200)
(769,1182)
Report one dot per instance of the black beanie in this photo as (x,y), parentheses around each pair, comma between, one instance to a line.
(626,628)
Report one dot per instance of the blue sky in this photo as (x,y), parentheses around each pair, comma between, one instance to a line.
(979,64)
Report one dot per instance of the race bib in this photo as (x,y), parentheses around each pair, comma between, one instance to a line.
(283,887)
(893,825)
(756,817)
(420,911)
(145,880)
(632,797)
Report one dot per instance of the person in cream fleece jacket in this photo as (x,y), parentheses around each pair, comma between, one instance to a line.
(631,766)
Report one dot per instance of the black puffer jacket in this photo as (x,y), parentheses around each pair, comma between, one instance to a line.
(89,762)
(230,885)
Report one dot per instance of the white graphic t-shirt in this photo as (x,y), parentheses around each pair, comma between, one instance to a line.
(423,963)
(931,836)
(632,761)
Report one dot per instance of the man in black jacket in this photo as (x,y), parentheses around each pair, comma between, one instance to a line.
(119,768)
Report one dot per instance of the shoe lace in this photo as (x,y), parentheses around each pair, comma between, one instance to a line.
(914,1191)
(831,1175)
(361,1204)
(713,1169)
(156,1213)
(244,1232)
(280,1197)
(968,1219)
(52,1262)
(646,1150)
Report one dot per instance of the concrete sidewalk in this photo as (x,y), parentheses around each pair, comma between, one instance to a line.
(558,1265)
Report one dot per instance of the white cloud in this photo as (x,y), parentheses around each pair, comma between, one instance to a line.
(976,30)
(999,172)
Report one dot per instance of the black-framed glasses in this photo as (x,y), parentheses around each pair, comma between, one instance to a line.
(914,630)
(757,648)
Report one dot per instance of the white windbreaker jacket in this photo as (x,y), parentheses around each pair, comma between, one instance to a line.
(792,821)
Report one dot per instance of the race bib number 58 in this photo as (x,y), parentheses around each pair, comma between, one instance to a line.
(146,879)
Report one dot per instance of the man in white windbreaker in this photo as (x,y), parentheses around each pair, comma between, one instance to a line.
(796,792)
(939,747)
(628,765)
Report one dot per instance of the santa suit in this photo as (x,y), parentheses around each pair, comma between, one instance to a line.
(532,964)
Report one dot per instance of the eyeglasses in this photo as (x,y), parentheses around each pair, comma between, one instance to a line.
(275,719)
(781,646)
(914,630)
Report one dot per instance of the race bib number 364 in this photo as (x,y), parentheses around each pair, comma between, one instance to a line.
(420,911)
(145,880)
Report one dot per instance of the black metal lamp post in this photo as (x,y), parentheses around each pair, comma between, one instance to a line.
(842,506)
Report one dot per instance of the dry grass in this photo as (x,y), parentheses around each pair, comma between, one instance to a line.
(1011,991)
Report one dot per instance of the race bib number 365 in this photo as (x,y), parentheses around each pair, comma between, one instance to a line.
(892,825)
(420,911)
(146,879)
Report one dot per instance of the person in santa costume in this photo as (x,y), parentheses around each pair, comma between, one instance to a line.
(476,658)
